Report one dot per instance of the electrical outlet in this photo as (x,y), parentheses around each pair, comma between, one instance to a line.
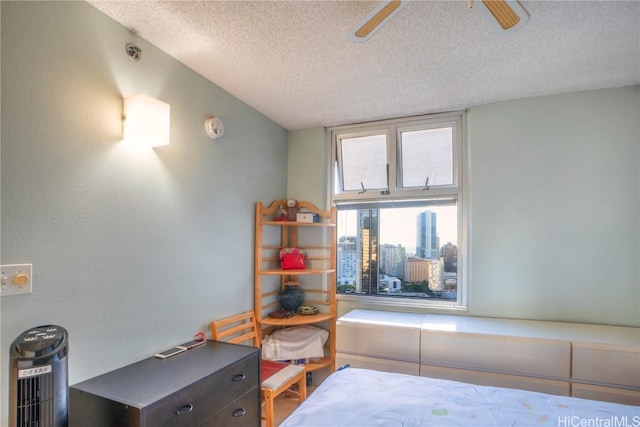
(16,279)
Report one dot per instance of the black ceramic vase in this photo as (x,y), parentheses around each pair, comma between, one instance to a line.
(291,297)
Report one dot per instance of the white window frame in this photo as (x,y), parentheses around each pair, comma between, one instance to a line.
(458,190)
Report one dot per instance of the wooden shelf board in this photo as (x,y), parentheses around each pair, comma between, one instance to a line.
(298,224)
(280,272)
(314,366)
(298,319)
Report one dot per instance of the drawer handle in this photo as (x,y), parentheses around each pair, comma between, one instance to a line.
(239,377)
(186,408)
(239,412)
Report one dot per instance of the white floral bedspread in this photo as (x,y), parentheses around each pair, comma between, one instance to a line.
(365,398)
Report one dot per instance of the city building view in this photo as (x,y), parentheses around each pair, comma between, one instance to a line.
(397,252)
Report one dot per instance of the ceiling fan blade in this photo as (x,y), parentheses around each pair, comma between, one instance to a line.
(376,19)
(504,15)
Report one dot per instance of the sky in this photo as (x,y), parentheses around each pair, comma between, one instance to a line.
(398,225)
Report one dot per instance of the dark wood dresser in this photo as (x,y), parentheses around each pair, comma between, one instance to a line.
(216,384)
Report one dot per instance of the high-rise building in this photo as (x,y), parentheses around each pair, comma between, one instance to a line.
(436,276)
(449,253)
(416,270)
(367,268)
(427,243)
(347,260)
(392,260)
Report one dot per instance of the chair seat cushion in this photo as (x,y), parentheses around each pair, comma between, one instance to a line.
(281,376)
(269,368)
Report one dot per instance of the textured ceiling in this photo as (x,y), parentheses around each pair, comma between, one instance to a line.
(292,61)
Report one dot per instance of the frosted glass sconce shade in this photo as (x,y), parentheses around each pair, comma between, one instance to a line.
(147,121)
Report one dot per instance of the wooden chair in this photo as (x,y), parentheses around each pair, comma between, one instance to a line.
(242,328)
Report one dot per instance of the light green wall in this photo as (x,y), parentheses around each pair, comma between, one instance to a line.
(133,251)
(307,180)
(554,207)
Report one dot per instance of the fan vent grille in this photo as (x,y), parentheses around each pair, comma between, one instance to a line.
(372,23)
(503,13)
(35,407)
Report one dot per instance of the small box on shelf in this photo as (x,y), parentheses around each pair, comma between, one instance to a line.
(307,217)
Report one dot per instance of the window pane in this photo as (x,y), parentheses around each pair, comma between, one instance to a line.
(364,160)
(427,153)
(408,252)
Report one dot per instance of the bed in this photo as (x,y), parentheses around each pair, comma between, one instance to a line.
(365,398)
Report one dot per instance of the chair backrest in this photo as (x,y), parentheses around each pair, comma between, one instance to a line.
(236,329)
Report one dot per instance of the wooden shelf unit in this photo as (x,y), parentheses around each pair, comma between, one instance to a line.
(318,240)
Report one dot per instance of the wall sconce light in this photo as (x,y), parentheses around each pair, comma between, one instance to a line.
(147,121)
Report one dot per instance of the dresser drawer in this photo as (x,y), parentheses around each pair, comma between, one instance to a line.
(608,394)
(557,387)
(243,412)
(377,364)
(389,340)
(497,353)
(606,364)
(193,405)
